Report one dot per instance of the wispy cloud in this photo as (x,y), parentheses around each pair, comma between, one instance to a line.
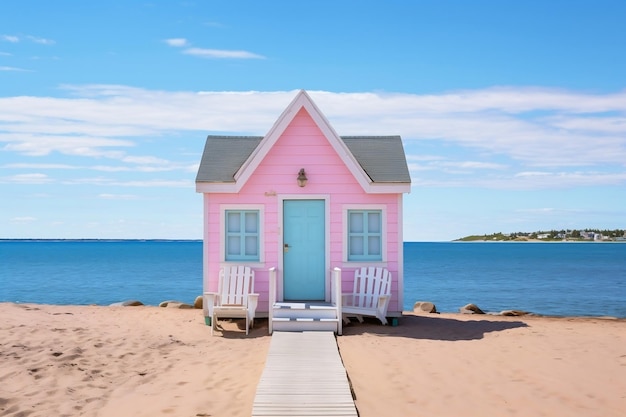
(14,69)
(105,196)
(543,210)
(42,41)
(34,178)
(23,219)
(221,53)
(10,38)
(35,39)
(496,138)
(176,42)
(39,166)
(210,53)
(108,182)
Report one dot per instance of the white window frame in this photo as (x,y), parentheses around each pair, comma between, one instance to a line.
(242,207)
(346,237)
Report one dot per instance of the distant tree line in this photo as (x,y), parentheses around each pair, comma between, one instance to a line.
(563,234)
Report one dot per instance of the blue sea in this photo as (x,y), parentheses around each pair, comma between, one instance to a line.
(562,279)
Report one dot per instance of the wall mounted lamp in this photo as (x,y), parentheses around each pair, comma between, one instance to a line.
(302,179)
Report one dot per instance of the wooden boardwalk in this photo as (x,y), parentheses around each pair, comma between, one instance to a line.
(303,377)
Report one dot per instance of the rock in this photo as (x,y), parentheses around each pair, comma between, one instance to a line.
(471,309)
(198,302)
(166,303)
(424,307)
(175,304)
(179,305)
(514,313)
(128,303)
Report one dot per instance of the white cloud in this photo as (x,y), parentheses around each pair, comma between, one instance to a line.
(34,178)
(42,41)
(502,137)
(10,38)
(35,39)
(42,144)
(551,210)
(39,166)
(221,53)
(475,165)
(176,42)
(105,196)
(145,160)
(23,219)
(159,183)
(13,69)
(210,53)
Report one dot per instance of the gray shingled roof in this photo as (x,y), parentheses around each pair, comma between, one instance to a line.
(224,155)
(381,157)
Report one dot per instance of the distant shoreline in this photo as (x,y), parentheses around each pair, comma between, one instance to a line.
(536,241)
(586,235)
(461,240)
(96,240)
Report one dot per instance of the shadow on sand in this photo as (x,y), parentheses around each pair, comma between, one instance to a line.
(433,328)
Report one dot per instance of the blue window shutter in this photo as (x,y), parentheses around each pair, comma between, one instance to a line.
(365,235)
(242,235)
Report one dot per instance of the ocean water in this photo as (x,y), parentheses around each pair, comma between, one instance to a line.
(100,272)
(563,279)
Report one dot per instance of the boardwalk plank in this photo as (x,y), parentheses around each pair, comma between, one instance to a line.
(304,377)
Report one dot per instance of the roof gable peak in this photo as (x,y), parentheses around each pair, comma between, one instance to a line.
(301,100)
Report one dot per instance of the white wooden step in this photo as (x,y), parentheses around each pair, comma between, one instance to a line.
(304,310)
(285,324)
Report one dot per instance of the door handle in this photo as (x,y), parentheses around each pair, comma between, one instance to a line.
(286,248)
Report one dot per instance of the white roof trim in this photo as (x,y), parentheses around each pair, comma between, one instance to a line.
(216,187)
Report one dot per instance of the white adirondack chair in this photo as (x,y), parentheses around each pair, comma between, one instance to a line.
(370,296)
(235,297)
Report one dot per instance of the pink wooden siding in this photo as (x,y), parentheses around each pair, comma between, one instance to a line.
(302,145)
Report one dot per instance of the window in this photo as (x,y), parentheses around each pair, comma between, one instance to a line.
(365,235)
(242,235)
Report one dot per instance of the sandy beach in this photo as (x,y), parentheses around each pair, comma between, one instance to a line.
(149,361)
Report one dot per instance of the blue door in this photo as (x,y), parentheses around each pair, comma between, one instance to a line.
(304,259)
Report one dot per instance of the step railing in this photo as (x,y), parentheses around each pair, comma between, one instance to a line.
(335,296)
(272,298)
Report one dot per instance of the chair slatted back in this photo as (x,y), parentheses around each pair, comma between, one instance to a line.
(236,282)
(369,284)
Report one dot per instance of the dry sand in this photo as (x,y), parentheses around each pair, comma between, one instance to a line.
(150,361)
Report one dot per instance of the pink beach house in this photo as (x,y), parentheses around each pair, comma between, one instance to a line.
(304,208)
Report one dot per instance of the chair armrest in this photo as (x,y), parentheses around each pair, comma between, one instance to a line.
(383,301)
(208,301)
(383,298)
(253,301)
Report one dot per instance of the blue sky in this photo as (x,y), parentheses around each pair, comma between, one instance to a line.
(513,114)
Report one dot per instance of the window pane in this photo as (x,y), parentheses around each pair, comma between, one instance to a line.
(373,220)
(242,235)
(251,246)
(373,245)
(252,223)
(233,223)
(356,222)
(233,245)
(356,245)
